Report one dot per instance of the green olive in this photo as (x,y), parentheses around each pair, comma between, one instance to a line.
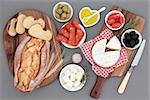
(65,8)
(69,10)
(62,18)
(59,11)
(57,15)
(60,6)
(67,16)
(63,15)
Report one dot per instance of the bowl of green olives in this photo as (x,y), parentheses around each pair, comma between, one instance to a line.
(63,11)
(131,39)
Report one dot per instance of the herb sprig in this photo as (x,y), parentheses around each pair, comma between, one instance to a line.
(130,24)
(84,78)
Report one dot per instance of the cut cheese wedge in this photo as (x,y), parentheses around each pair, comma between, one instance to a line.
(106,59)
(114,44)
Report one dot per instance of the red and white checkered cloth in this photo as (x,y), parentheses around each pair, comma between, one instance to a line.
(86,48)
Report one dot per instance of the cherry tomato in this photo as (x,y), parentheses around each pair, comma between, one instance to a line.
(62,38)
(116,25)
(111,16)
(114,16)
(121,20)
(110,21)
(117,16)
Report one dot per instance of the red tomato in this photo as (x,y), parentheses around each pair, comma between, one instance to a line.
(72,30)
(68,25)
(79,32)
(64,32)
(78,39)
(116,25)
(62,38)
(76,23)
(114,16)
(117,16)
(111,16)
(72,34)
(72,43)
(79,36)
(121,20)
(110,21)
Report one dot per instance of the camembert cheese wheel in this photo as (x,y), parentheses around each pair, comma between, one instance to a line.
(105,58)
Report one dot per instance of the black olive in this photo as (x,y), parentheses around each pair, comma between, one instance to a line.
(135,36)
(126,34)
(132,43)
(132,33)
(128,37)
(125,40)
(132,46)
(136,41)
(128,45)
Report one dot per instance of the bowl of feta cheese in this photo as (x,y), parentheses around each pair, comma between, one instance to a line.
(72,77)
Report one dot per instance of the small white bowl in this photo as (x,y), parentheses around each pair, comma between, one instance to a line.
(71,66)
(128,31)
(81,41)
(55,7)
(111,12)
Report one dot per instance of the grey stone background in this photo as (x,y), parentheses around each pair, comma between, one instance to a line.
(138,87)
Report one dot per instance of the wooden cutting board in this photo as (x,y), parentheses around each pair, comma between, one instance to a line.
(131,53)
(118,72)
(11,43)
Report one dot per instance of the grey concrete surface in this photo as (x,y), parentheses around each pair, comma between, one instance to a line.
(138,87)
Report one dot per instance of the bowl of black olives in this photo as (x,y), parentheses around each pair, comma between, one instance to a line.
(131,39)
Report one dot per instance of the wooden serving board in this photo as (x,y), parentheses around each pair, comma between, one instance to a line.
(11,43)
(118,72)
(131,53)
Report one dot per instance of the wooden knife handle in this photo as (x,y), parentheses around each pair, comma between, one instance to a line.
(95,93)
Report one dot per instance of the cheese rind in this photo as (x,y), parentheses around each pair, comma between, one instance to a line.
(107,59)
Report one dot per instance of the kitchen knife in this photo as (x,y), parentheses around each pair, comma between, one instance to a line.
(134,63)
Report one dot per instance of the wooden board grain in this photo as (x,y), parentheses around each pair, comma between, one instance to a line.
(11,43)
(140,27)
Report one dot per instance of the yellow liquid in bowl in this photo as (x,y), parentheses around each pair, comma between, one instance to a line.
(91,21)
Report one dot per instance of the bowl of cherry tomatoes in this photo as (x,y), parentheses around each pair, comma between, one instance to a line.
(72,34)
(115,20)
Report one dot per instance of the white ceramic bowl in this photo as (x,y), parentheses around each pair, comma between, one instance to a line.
(128,31)
(55,7)
(111,12)
(81,41)
(61,75)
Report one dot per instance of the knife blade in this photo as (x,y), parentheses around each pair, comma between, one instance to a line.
(134,63)
(138,54)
